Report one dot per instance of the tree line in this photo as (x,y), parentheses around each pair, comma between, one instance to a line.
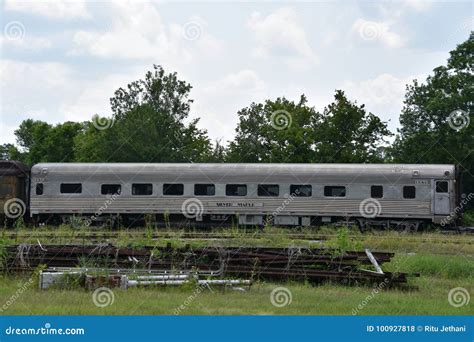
(150,123)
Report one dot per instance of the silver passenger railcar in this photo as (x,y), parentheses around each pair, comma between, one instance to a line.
(250,194)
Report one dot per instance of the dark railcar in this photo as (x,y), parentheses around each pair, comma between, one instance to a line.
(14,190)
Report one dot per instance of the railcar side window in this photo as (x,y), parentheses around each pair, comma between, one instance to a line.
(173,189)
(142,189)
(409,191)
(39,188)
(268,190)
(236,190)
(304,190)
(442,186)
(71,188)
(335,191)
(376,191)
(204,189)
(110,189)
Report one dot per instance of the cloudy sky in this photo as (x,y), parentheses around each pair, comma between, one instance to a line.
(63,60)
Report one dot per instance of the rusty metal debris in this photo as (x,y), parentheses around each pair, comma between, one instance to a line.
(305,264)
(92,281)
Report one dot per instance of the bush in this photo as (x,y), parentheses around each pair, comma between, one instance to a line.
(468,218)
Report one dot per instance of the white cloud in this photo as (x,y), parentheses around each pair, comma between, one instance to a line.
(7,132)
(28,89)
(219,101)
(396,10)
(379,31)
(38,76)
(37,81)
(246,80)
(383,89)
(279,35)
(56,9)
(382,95)
(138,32)
(93,96)
(26,43)
(55,92)
(419,5)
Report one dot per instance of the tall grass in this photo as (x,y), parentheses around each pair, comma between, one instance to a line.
(439,266)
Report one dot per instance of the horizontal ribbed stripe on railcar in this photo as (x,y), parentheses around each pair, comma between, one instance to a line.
(266,206)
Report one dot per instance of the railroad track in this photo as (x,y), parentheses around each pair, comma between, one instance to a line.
(177,235)
(103,236)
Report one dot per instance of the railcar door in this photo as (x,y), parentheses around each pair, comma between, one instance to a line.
(441,197)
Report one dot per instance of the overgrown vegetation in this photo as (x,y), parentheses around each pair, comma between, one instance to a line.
(342,242)
(468,218)
(331,237)
(3,253)
(435,266)
(444,262)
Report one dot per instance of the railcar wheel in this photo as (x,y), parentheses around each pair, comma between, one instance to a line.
(410,227)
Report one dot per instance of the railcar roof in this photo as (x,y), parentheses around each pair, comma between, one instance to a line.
(422,170)
(13,168)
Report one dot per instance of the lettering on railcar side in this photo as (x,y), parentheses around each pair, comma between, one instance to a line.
(235,204)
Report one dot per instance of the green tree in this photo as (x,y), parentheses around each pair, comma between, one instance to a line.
(436,120)
(284,131)
(9,152)
(347,133)
(274,132)
(148,125)
(217,154)
(42,142)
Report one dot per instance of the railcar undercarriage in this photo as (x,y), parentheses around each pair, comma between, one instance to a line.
(212,221)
